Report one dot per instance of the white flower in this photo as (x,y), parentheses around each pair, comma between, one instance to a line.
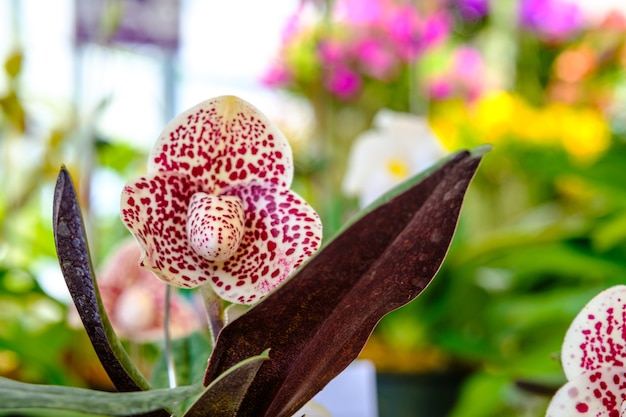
(594,360)
(399,146)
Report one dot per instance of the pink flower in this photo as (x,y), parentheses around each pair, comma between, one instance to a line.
(436,29)
(343,82)
(278,75)
(472,9)
(376,58)
(404,26)
(331,52)
(471,71)
(551,19)
(440,88)
(215,206)
(135,301)
(466,76)
(593,358)
(360,12)
(413,34)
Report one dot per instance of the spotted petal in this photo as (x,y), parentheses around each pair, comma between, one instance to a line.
(215,225)
(154,208)
(596,393)
(597,336)
(224,141)
(281,232)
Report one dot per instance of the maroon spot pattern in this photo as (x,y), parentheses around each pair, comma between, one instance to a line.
(215,225)
(227,149)
(592,356)
(224,141)
(600,392)
(154,209)
(597,336)
(281,231)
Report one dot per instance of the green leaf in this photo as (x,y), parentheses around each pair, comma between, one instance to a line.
(75,262)
(190,356)
(223,396)
(318,321)
(19,395)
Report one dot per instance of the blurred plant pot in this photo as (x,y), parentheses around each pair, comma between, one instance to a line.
(430,394)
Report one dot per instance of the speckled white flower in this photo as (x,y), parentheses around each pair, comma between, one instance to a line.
(215,207)
(593,358)
(398,146)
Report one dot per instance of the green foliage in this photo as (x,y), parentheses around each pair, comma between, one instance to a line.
(18,395)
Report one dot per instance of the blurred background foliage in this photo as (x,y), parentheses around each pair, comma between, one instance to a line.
(542,231)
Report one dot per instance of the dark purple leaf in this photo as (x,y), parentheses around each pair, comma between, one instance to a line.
(75,262)
(319,320)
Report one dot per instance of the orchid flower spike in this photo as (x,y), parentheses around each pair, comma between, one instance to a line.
(215,206)
(593,358)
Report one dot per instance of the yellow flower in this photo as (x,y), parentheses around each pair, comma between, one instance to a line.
(499,116)
(447,122)
(494,115)
(585,134)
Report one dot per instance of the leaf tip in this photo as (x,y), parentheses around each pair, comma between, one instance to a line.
(482,150)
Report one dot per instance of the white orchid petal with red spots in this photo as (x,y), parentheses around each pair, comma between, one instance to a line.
(154,209)
(224,141)
(216,206)
(597,336)
(596,393)
(215,225)
(281,232)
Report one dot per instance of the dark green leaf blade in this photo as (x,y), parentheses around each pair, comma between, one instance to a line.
(223,396)
(73,253)
(319,320)
(20,395)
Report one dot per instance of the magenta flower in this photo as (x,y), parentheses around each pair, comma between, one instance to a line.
(331,52)
(472,9)
(439,88)
(413,34)
(465,76)
(277,75)
(375,58)
(436,29)
(593,358)
(360,12)
(343,82)
(405,28)
(215,206)
(551,19)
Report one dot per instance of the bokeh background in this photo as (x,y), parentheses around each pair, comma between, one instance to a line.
(368,92)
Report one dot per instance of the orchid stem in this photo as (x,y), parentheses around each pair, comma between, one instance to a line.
(169,358)
(214,311)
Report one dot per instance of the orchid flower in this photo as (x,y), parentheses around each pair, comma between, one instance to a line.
(136,301)
(215,206)
(399,145)
(593,359)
